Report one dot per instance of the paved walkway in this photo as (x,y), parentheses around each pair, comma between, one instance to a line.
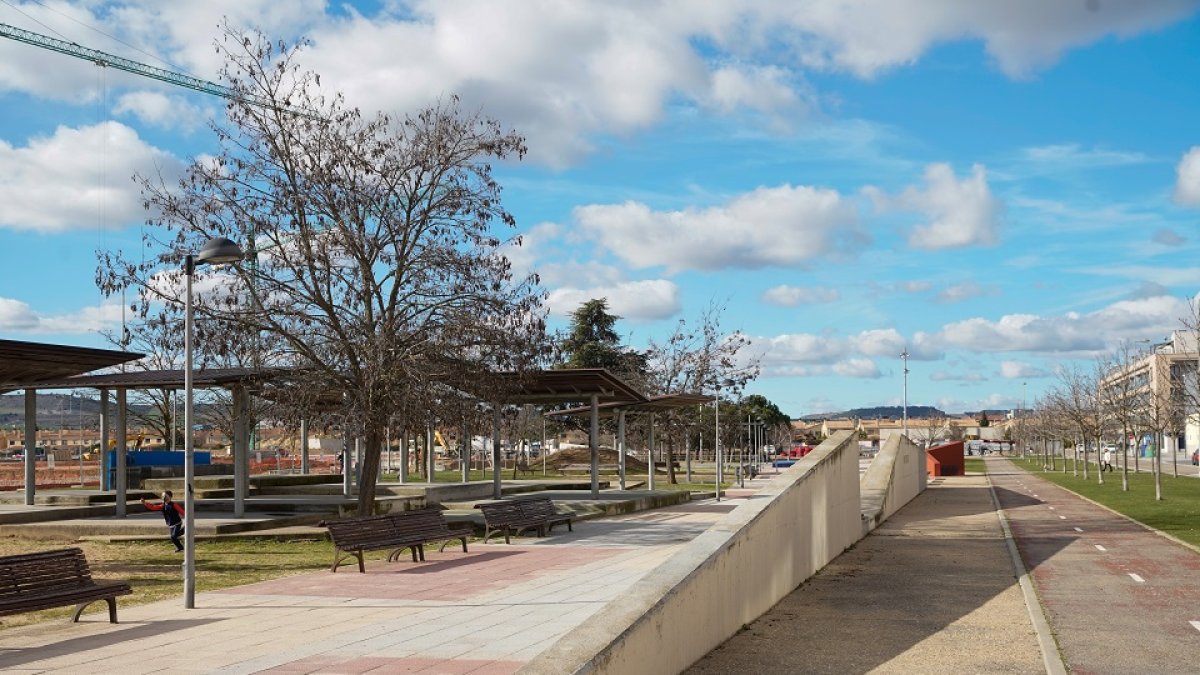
(487,611)
(1119,597)
(930,591)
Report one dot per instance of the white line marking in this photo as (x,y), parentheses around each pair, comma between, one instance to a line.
(1100,548)
(1062,517)
(1195,624)
(1136,578)
(1079,529)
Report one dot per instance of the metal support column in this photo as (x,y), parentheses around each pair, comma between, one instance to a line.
(403,430)
(429,467)
(621,447)
(464,452)
(105,433)
(497,491)
(346,461)
(594,443)
(240,451)
(650,469)
(30,445)
(303,445)
(122,477)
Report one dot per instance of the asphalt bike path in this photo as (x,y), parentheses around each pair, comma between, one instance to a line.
(1119,597)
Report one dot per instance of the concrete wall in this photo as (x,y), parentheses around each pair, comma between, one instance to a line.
(895,477)
(725,578)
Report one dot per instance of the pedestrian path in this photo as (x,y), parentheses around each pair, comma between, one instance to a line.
(932,590)
(486,611)
(1119,597)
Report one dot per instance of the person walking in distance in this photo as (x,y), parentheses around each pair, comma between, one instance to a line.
(173,514)
(1106,460)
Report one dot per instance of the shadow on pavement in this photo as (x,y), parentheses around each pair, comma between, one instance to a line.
(11,658)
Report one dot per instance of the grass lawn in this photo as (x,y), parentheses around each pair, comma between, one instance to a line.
(975,465)
(154,570)
(1178,514)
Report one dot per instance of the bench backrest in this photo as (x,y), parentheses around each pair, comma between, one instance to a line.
(350,532)
(537,507)
(500,514)
(34,573)
(419,522)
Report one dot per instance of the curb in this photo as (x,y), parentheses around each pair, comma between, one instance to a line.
(1051,655)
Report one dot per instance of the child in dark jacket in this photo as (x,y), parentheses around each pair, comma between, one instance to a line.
(173,514)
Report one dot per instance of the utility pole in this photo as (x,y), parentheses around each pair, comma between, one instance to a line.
(904,359)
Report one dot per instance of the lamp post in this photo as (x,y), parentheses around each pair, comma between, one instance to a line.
(904,358)
(717,432)
(216,251)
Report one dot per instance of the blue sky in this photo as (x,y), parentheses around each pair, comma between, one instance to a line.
(1002,189)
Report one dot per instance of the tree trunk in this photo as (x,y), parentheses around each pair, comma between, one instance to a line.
(370,470)
(1158,443)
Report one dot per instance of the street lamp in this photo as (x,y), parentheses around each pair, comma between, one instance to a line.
(216,251)
(717,432)
(904,358)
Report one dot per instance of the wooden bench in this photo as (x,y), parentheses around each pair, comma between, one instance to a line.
(49,579)
(395,532)
(543,509)
(423,527)
(508,518)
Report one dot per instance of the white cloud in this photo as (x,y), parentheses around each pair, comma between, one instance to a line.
(580,69)
(1187,178)
(767,227)
(1020,370)
(917,286)
(1072,155)
(799,348)
(889,343)
(962,212)
(858,367)
(1071,332)
(956,376)
(635,300)
(1168,237)
(160,110)
(77,177)
(18,317)
(961,292)
(791,296)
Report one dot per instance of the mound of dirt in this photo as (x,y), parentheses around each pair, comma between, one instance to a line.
(578,456)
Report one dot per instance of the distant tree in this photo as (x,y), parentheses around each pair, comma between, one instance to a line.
(696,358)
(593,342)
(983,420)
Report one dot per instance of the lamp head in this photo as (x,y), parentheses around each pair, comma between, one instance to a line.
(218,251)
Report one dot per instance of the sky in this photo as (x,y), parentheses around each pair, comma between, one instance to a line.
(1000,189)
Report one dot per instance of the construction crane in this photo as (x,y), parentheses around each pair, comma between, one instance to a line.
(106,60)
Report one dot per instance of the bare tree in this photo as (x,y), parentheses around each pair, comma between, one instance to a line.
(692,359)
(376,269)
(1119,393)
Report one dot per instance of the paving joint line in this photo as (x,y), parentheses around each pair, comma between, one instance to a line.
(1055,665)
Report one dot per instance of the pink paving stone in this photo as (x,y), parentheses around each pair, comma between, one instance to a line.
(443,576)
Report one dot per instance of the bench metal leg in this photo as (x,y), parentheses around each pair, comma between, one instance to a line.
(112,609)
(339,556)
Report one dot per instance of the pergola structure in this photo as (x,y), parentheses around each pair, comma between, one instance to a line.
(31,365)
(236,380)
(597,386)
(650,406)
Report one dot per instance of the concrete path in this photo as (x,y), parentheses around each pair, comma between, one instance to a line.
(933,590)
(486,611)
(1120,598)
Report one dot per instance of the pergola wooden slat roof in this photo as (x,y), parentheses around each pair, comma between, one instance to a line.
(150,379)
(566,385)
(658,403)
(28,364)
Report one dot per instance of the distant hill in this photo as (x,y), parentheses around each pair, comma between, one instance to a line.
(894,412)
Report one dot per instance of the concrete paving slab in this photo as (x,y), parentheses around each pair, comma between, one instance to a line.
(931,591)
